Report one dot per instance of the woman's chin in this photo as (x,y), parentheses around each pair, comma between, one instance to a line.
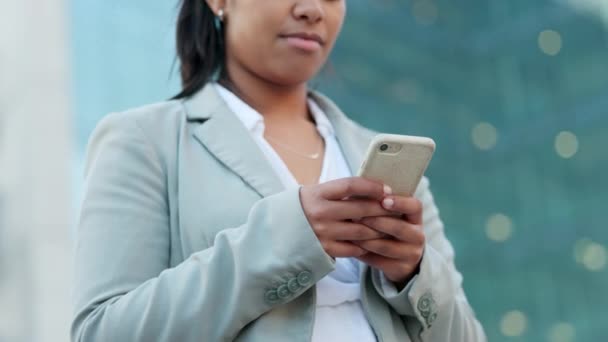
(294,75)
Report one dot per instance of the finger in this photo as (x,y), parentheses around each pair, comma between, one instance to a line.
(409,206)
(341,249)
(397,228)
(350,231)
(353,186)
(392,249)
(393,269)
(354,209)
(378,261)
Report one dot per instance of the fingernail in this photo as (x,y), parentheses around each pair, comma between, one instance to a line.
(387,190)
(388,202)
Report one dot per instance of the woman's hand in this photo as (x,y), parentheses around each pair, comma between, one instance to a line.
(398,256)
(331,216)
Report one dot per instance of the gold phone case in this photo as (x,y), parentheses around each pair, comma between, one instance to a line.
(398,161)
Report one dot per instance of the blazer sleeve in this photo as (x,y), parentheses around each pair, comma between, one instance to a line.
(124,288)
(433,305)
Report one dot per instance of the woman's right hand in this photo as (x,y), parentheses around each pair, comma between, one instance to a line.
(333,209)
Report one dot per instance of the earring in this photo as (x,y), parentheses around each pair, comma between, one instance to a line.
(219,18)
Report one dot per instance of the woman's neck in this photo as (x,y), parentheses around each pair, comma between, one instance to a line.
(276,102)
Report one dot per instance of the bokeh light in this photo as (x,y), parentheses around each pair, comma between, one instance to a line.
(550,42)
(594,257)
(513,323)
(590,254)
(499,228)
(566,144)
(484,136)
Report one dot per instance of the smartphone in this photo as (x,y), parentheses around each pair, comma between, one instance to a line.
(398,161)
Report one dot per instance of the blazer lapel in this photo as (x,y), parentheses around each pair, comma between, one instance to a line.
(222,133)
(352,138)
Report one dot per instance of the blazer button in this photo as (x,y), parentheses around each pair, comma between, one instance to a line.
(293,285)
(304,278)
(428,308)
(283,291)
(271,296)
(426,304)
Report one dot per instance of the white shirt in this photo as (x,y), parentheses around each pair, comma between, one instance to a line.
(339,315)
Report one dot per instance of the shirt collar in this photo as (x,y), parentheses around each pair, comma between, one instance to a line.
(252,119)
(323,123)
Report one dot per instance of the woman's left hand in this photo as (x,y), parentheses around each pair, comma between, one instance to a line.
(398,255)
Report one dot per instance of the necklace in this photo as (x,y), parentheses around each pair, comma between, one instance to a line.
(287,147)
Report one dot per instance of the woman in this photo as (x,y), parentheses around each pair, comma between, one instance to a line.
(231,213)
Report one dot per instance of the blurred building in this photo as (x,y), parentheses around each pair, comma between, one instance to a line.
(35,149)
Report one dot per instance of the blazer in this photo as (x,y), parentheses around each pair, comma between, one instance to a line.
(187,234)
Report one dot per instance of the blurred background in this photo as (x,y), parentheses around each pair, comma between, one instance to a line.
(515,93)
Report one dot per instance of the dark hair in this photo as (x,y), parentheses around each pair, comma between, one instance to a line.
(200,46)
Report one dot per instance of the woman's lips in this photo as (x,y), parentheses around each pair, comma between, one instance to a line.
(301,43)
